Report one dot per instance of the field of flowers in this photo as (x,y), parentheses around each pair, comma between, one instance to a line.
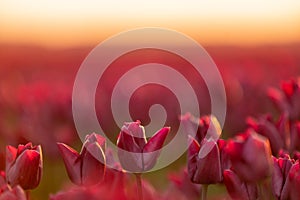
(257,156)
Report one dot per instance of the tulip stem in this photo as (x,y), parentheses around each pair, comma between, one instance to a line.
(139,186)
(204,191)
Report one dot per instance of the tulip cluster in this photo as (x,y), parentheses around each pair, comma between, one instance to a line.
(262,162)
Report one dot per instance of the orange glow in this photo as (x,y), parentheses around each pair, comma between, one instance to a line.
(73,23)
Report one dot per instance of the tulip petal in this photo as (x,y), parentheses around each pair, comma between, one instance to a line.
(277,179)
(11,154)
(214,130)
(190,125)
(93,165)
(127,142)
(209,167)
(157,140)
(130,155)
(152,150)
(137,131)
(293,183)
(94,138)
(72,162)
(193,151)
(235,187)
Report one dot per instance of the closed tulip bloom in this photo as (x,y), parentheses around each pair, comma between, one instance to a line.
(136,154)
(250,156)
(281,170)
(237,189)
(24,165)
(204,164)
(87,167)
(293,183)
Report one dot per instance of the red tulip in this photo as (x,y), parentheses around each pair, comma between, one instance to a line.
(87,167)
(280,174)
(250,156)
(237,189)
(204,164)
(24,165)
(293,183)
(136,154)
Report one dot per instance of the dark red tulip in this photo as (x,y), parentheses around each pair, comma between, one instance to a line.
(250,156)
(136,154)
(281,170)
(204,164)
(237,189)
(87,167)
(293,182)
(24,165)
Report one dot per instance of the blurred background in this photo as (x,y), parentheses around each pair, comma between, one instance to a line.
(255,45)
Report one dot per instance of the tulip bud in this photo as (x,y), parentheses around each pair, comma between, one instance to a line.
(87,167)
(204,167)
(237,189)
(136,154)
(280,173)
(24,165)
(250,156)
(293,183)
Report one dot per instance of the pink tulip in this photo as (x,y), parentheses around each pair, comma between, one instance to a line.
(237,189)
(24,165)
(250,156)
(87,167)
(136,154)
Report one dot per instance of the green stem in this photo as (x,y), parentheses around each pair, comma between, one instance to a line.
(27,193)
(139,186)
(204,191)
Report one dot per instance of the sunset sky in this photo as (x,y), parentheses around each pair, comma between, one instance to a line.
(66,23)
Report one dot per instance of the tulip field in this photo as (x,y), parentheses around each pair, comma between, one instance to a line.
(255,155)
